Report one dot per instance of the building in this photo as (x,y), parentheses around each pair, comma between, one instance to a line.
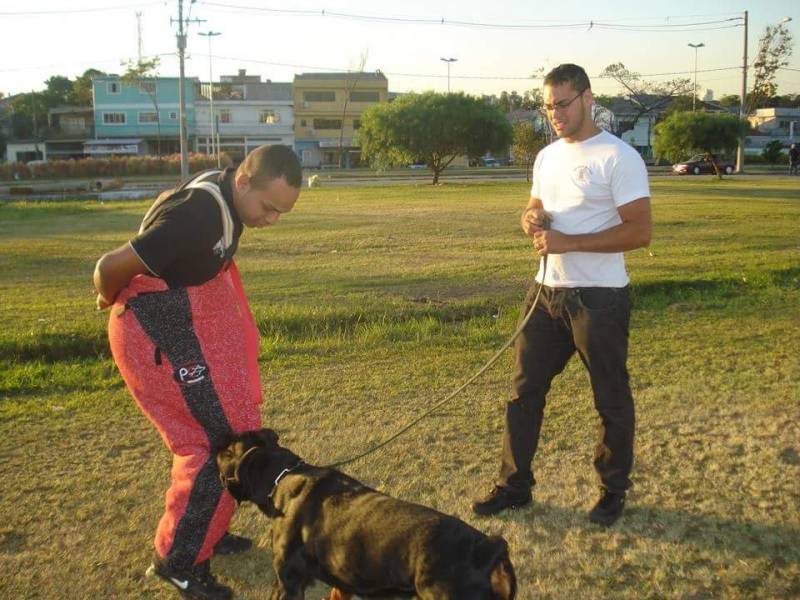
(247,113)
(771,124)
(68,128)
(144,114)
(327,107)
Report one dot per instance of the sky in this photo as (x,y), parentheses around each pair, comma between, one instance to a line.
(499,45)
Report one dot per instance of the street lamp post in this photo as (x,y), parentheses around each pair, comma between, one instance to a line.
(209,35)
(448,61)
(695,46)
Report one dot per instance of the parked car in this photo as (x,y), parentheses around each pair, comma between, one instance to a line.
(700,164)
(490,162)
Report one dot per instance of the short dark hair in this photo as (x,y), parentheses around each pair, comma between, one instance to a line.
(266,163)
(569,73)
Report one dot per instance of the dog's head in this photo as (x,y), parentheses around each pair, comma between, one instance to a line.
(230,463)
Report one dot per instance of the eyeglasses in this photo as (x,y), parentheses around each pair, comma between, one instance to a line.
(561,105)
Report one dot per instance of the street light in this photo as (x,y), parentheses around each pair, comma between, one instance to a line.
(695,46)
(209,35)
(448,61)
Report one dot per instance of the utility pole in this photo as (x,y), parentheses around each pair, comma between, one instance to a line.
(181,85)
(209,35)
(139,34)
(742,115)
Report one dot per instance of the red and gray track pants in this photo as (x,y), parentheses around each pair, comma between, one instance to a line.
(189,358)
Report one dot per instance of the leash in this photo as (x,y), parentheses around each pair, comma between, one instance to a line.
(480,372)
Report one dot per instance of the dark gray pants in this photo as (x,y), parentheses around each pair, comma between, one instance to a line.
(594,322)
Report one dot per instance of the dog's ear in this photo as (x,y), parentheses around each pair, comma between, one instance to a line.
(267,437)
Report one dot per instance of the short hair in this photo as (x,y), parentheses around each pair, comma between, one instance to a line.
(266,163)
(569,73)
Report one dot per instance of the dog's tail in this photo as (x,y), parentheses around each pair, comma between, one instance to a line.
(492,554)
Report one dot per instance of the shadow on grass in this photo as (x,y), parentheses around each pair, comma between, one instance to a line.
(659,294)
(54,347)
(744,538)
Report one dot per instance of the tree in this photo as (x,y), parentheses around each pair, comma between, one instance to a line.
(28,114)
(432,128)
(774,50)
(58,90)
(528,141)
(646,97)
(685,133)
(350,83)
(81,93)
(142,74)
(773,152)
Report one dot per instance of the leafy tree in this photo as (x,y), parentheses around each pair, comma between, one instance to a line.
(529,100)
(730,101)
(57,91)
(28,115)
(81,93)
(685,133)
(773,152)
(528,141)
(432,128)
(142,74)
(774,50)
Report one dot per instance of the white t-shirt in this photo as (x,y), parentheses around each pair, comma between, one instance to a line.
(581,184)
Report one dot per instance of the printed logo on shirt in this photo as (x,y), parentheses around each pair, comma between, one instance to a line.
(580,174)
(191,374)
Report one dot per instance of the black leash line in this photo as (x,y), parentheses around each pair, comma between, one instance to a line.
(480,372)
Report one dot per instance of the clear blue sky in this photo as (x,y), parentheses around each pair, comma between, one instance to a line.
(276,45)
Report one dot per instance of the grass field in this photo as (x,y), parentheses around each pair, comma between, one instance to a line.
(373,303)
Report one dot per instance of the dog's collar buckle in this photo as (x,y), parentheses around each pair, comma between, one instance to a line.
(281,475)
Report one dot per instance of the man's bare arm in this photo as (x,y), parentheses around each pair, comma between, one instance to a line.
(634,232)
(114,271)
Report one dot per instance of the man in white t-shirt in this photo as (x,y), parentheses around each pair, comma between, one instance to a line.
(593,189)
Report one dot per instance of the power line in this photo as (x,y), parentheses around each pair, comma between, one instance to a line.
(90,61)
(698,26)
(40,13)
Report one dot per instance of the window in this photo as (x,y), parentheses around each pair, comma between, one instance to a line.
(268,116)
(173,116)
(302,122)
(147,87)
(113,87)
(68,122)
(356,124)
(364,97)
(148,117)
(224,116)
(114,118)
(319,96)
(327,123)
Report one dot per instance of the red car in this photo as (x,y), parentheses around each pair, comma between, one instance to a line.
(700,164)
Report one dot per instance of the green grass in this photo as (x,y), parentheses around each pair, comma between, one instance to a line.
(373,303)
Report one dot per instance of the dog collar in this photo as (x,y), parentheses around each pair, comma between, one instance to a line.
(280,476)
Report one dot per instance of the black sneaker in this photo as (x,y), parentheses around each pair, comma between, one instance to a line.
(608,508)
(232,544)
(499,499)
(196,583)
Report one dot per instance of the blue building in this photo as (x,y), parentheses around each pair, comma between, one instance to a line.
(140,117)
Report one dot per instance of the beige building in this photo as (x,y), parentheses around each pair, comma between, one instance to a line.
(327,107)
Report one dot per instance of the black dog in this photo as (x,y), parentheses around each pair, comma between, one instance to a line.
(328,526)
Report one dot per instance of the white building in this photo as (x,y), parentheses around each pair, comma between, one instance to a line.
(247,114)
